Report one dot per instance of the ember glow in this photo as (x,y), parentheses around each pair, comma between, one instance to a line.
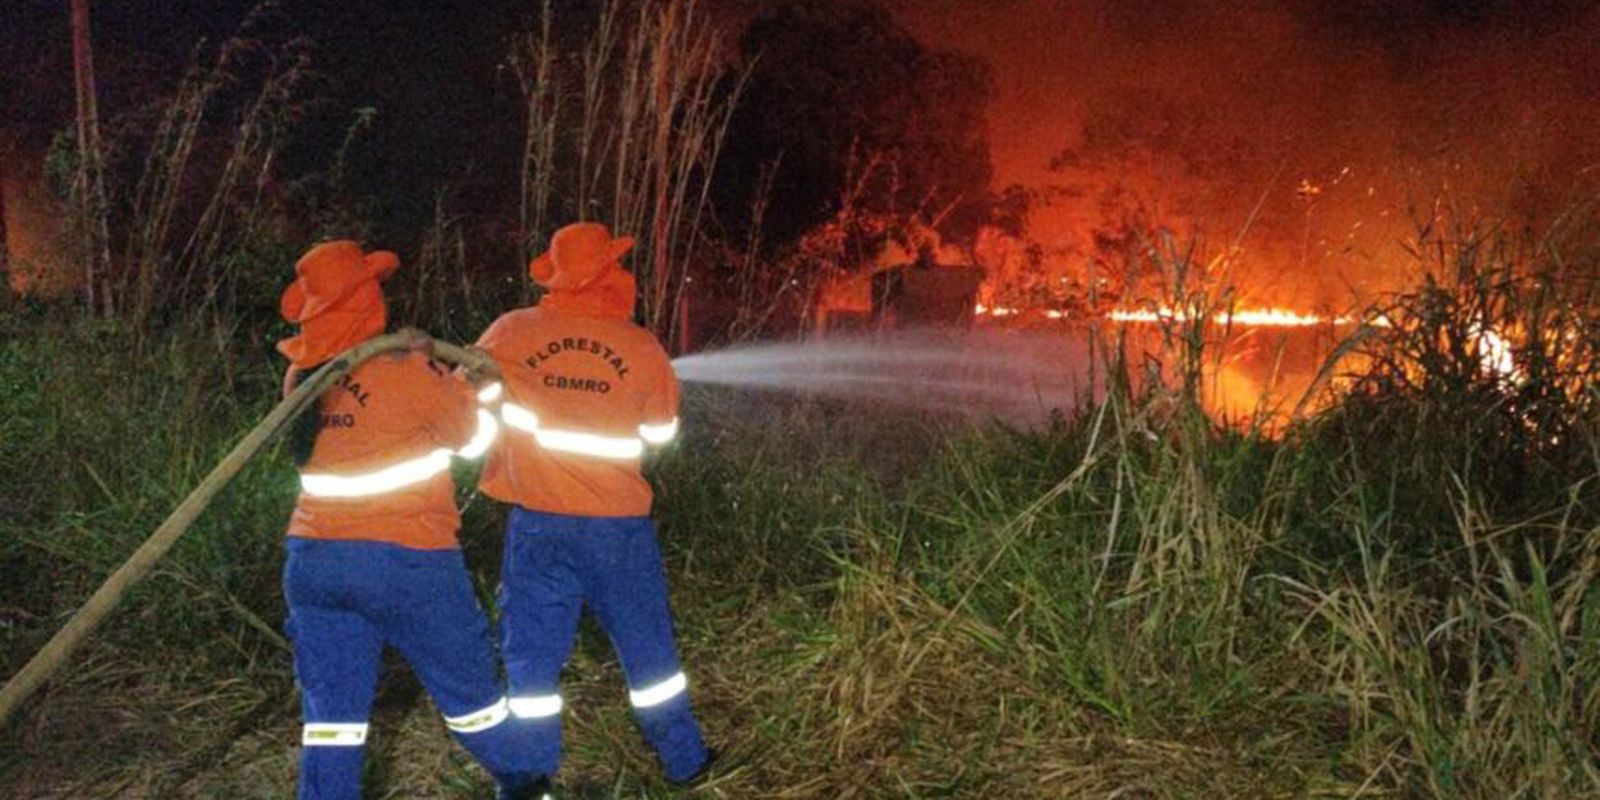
(1494,348)
(1279,317)
(1495,352)
(1253,317)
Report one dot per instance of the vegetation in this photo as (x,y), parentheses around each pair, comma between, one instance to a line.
(631,134)
(1395,596)
(1392,595)
(854,104)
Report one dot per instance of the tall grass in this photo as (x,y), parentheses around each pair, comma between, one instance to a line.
(627,134)
(102,439)
(196,207)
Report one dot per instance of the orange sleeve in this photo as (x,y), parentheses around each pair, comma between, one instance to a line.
(453,414)
(494,339)
(661,402)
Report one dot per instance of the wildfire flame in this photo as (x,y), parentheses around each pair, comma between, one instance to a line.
(1003,311)
(1496,351)
(1256,317)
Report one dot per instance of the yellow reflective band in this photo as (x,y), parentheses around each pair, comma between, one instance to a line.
(334,734)
(482,719)
(487,430)
(536,706)
(659,434)
(588,444)
(659,693)
(490,393)
(385,480)
(520,418)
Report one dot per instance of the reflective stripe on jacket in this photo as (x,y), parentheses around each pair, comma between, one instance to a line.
(381,466)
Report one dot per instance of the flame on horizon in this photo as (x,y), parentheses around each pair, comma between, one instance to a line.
(1265,317)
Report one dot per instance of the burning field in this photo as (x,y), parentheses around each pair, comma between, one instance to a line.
(1092,399)
(1388,590)
(1306,141)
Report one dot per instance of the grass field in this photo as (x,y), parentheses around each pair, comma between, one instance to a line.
(1395,596)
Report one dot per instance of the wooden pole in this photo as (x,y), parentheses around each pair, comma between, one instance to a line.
(90,179)
(59,649)
(5,236)
(660,235)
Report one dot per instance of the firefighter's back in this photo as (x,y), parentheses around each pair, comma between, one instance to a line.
(584,396)
(380,467)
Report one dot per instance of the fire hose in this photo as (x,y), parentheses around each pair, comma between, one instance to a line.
(94,611)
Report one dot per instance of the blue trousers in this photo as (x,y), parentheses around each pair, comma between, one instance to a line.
(554,565)
(347,599)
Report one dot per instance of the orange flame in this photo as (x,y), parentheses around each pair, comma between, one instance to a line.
(1496,351)
(1496,354)
(1255,317)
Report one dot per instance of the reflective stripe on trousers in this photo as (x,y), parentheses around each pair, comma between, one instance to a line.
(536,706)
(334,734)
(482,719)
(658,693)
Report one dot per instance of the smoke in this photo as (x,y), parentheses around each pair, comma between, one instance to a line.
(1317,135)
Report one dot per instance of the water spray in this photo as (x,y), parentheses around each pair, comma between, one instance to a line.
(1019,376)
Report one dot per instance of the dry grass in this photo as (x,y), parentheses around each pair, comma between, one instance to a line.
(628,134)
(199,207)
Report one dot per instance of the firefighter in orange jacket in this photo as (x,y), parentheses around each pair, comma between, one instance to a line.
(586,391)
(372,553)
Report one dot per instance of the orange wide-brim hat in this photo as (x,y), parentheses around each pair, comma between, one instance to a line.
(329,274)
(578,254)
(335,299)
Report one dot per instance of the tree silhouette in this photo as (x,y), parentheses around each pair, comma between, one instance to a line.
(843,98)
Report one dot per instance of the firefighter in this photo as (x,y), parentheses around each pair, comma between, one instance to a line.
(373,558)
(586,393)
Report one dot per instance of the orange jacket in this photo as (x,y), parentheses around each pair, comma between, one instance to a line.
(380,469)
(586,391)
(584,396)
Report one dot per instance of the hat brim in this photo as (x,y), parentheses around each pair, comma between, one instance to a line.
(293,303)
(381,263)
(543,269)
(620,246)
